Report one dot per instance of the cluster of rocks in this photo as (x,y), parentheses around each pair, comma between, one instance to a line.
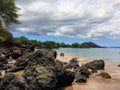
(83,72)
(42,71)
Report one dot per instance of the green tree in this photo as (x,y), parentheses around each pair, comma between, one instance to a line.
(21,40)
(8,12)
(49,44)
(75,45)
(5,34)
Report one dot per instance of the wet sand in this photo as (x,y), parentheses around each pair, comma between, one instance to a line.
(96,82)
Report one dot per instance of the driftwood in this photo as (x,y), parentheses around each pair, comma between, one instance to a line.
(15,69)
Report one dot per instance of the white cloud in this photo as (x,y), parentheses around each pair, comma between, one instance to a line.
(73,18)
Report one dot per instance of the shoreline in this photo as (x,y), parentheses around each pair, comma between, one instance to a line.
(95,82)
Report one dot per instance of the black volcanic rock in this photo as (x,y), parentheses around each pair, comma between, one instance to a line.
(74,63)
(95,65)
(43,73)
(105,75)
(12,82)
(81,74)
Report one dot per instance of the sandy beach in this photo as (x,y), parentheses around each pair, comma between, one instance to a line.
(96,82)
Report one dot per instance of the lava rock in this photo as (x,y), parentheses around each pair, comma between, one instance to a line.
(74,63)
(95,65)
(12,82)
(40,78)
(43,73)
(105,75)
(64,77)
(81,74)
(16,52)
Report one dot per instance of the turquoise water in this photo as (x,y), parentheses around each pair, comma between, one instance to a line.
(112,54)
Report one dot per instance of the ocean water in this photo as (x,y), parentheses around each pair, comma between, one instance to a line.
(112,54)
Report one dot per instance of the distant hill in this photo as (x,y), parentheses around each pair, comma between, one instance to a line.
(89,45)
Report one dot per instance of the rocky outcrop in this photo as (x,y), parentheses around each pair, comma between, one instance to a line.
(43,73)
(64,77)
(13,82)
(16,52)
(74,63)
(95,65)
(23,60)
(3,59)
(81,74)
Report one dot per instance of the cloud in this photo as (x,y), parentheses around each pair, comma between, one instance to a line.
(73,18)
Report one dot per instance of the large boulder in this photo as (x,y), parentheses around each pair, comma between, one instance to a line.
(45,53)
(23,60)
(40,72)
(81,74)
(64,77)
(95,65)
(43,73)
(16,52)
(13,82)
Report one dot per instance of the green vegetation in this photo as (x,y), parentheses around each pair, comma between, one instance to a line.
(52,44)
(8,12)
(5,34)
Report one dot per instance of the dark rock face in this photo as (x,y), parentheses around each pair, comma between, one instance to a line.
(43,73)
(7,53)
(5,66)
(64,77)
(81,74)
(23,60)
(105,75)
(74,63)
(12,82)
(40,73)
(45,53)
(3,59)
(96,65)
(16,52)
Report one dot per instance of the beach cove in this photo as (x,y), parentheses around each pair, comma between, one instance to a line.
(95,82)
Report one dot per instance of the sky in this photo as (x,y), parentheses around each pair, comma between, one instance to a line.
(70,21)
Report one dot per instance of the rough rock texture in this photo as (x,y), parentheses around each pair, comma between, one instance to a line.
(23,60)
(40,74)
(74,63)
(96,65)
(105,75)
(16,52)
(3,59)
(81,74)
(43,73)
(64,77)
(12,82)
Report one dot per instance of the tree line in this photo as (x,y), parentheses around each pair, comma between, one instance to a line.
(53,44)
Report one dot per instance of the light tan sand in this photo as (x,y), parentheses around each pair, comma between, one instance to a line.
(96,82)
(19,72)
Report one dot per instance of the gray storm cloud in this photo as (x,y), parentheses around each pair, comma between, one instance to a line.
(72,18)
